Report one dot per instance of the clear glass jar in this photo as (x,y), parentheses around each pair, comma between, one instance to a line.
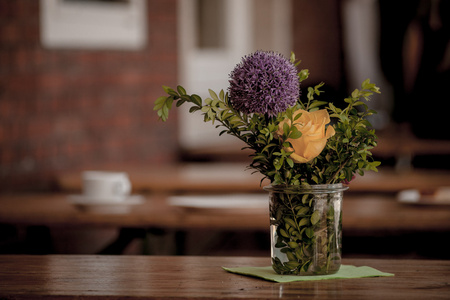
(306,228)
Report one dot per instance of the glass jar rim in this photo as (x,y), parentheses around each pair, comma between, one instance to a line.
(307,189)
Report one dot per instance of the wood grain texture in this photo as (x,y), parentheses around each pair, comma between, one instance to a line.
(369,213)
(233,177)
(190,277)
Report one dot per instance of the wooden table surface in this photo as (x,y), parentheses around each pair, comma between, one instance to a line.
(234,178)
(196,277)
(372,213)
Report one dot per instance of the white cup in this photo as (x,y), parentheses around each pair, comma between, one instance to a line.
(106,186)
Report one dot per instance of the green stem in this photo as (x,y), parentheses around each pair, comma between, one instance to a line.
(332,178)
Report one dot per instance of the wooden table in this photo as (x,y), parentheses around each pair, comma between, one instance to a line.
(361,213)
(187,177)
(234,178)
(365,217)
(196,277)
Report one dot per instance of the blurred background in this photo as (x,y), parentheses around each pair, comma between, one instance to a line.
(78,79)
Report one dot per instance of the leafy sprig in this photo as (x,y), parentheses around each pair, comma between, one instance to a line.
(345,154)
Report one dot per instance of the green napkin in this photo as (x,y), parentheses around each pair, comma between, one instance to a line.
(346,271)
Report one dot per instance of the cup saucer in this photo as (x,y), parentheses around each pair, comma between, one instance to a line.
(105,205)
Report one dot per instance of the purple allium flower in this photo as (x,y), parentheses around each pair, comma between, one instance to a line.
(264,83)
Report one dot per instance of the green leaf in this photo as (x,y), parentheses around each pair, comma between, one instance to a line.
(196,99)
(292,264)
(213,95)
(286,129)
(303,222)
(289,113)
(297,116)
(315,217)
(295,133)
(290,162)
(293,245)
(181,90)
(292,57)
(305,198)
(303,74)
(284,233)
(180,102)
(291,255)
(159,102)
(309,232)
(303,211)
(317,103)
(169,102)
(310,94)
(290,222)
(186,98)
(167,89)
(194,109)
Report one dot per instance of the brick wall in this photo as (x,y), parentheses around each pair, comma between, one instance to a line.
(66,110)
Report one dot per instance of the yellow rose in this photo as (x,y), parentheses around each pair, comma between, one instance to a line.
(314,135)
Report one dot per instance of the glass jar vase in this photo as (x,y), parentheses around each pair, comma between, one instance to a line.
(306,228)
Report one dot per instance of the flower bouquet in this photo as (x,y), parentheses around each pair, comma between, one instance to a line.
(308,150)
